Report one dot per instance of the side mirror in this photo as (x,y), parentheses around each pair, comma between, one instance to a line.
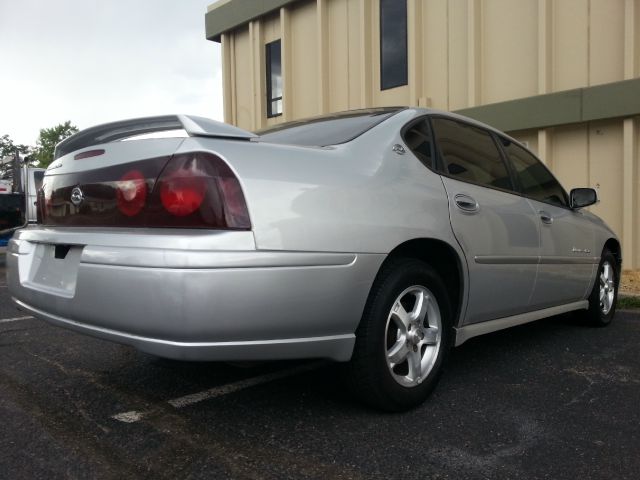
(583,197)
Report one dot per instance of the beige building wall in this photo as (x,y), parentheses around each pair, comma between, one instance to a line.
(461,54)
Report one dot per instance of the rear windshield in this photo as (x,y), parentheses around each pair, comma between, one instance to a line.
(327,130)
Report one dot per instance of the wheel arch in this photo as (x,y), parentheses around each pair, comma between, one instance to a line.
(442,257)
(613,245)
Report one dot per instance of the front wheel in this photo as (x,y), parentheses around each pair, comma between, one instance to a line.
(604,296)
(403,338)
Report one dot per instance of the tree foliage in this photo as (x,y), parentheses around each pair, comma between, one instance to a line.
(8,148)
(48,139)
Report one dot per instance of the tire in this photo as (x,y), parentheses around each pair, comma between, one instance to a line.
(403,339)
(604,296)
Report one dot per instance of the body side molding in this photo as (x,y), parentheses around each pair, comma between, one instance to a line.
(533,260)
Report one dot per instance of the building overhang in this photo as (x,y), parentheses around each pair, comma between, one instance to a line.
(226,15)
(600,102)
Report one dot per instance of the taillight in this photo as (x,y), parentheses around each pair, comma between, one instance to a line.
(236,208)
(40,205)
(188,190)
(181,193)
(43,202)
(198,189)
(131,193)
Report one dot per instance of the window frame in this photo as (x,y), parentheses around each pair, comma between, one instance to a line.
(384,87)
(440,161)
(269,92)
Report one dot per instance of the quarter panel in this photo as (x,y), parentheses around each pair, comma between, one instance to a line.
(355,197)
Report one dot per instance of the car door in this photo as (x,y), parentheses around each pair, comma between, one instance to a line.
(567,240)
(497,229)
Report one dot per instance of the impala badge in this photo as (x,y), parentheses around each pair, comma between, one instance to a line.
(580,250)
(77,196)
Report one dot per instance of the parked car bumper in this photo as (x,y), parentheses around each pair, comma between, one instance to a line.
(192,303)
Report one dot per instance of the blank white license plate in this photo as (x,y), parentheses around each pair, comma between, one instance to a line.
(54,268)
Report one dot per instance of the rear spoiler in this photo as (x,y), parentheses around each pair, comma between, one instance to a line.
(111,132)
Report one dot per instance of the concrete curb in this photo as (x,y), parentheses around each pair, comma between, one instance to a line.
(628,295)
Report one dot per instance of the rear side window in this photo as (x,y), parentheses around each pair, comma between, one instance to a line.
(535,180)
(418,139)
(470,154)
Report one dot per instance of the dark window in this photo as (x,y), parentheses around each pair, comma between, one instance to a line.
(393,43)
(535,180)
(38,177)
(328,129)
(418,139)
(274,78)
(470,154)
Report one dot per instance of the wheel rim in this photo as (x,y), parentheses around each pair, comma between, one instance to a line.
(413,335)
(607,287)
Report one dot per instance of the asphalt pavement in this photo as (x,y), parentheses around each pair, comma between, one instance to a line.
(551,399)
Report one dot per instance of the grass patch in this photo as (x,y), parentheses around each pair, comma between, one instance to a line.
(628,303)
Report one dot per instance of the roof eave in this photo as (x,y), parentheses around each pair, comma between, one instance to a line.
(228,15)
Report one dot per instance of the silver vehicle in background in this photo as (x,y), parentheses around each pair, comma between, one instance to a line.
(377,237)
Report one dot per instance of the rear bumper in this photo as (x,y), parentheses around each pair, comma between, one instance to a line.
(196,304)
(337,347)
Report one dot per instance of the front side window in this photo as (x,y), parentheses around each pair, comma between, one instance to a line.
(274,78)
(394,71)
(470,154)
(535,180)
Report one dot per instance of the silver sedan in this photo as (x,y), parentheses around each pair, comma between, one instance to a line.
(380,238)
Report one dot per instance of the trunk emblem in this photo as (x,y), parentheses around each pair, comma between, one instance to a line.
(77,196)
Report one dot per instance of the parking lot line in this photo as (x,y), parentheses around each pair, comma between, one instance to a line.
(240,385)
(221,390)
(15,319)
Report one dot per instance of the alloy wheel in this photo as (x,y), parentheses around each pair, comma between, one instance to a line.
(413,335)
(607,287)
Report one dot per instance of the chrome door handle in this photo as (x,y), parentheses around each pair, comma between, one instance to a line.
(466,203)
(545,217)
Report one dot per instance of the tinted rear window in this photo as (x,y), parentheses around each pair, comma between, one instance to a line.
(326,130)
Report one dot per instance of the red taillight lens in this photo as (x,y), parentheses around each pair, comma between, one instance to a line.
(182,195)
(199,190)
(88,154)
(131,193)
(236,208)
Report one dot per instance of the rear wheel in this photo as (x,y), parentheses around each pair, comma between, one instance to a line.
(603,298)
(403,338)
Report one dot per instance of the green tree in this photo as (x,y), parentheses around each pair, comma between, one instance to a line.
(8,148)
(48,139)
